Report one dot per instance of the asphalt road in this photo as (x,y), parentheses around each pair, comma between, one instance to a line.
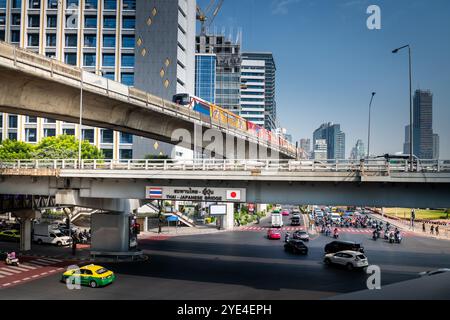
(242,266)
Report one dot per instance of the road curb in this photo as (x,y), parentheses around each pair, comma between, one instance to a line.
(84,260)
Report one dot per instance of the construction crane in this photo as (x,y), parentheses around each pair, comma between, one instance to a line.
(207,16)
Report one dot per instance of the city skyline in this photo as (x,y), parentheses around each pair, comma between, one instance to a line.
(337,87)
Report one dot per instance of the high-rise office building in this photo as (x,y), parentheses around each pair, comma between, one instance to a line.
(423,124)
(228,68)
(359,151)
(269,85)
(406,144)
(205,76)
(320,149)
(436,152)
(253,91)
(335,139)
(146,44)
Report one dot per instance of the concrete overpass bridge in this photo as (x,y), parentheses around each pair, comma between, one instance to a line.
(107,184)
(31,84)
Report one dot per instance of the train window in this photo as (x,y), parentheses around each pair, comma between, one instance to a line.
(182,99)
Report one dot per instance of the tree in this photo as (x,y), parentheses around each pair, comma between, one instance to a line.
(15,150)
(65,147)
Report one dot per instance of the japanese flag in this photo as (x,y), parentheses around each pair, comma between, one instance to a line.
(233,195)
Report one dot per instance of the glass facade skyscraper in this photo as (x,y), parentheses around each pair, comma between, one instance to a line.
(423,124)
(270,105)
(335,139)
(205,77)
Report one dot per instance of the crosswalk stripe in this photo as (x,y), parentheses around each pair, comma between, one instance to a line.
(51,259)
(27,266)
(18,268)
(1,276)
(8,269)
(34,265)
(40,263)
(6,273)
(45,260)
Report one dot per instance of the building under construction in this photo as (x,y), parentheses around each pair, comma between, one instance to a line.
(228,67)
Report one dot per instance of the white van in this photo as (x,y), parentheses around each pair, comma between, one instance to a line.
(46,233)
(277,220)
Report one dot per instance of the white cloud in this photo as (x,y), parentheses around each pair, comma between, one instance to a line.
(281,6)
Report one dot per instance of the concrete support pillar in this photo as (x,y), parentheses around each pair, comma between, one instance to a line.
(228,219)
(25,235)
(25,217)
(111,232)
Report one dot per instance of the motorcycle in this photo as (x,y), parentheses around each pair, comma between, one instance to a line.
(391,238)
(12,262)
(375,235)
(336,235)
(398,238)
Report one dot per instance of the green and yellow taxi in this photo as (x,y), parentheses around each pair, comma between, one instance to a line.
(10,235)
(91,275)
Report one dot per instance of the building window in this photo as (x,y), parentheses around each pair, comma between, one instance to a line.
(34,4)
(129,4)
(12,135)
(128,79)
(51,40)
(109,75)
(2,19)
(30,119)
(52,4)
(2,4)
(49,132)
(30,135)
(89,60)
(127,60)
(16,4)
(71,40)
(126,138)
(109,22)
(2,35)
(90,22)
(90,4)
(90,40)
(128,41)
(73,3)
(110,4)
(33,39)
(33,21)
(126,154)
(70,58)
(15,36)
(69,132)
(128,22)
(108,154)
(51,21)
(15,19)
(1,121)
(88,134)
(109,41)
(46,120)
(109,60)
(107,136)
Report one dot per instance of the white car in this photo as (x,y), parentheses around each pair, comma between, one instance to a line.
(336,217)
(350,259)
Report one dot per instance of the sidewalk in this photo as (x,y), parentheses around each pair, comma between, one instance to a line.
(169,232)
(444,232)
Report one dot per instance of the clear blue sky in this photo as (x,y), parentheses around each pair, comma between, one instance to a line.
(329,62)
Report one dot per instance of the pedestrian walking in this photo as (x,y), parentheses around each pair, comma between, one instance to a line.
(437,230)
(432,230)
(74,244)
(424,228)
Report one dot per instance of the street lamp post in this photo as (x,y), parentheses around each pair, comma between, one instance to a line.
(81,121)
(411,119)
(370,123)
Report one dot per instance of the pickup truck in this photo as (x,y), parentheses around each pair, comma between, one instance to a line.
(46,233)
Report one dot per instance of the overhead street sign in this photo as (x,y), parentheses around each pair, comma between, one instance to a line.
(203,194)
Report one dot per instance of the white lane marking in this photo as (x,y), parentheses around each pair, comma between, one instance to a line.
(34,265)
(18,268)
(8,269)
(48,260)
(35,276)
(6,284)
(27,278)
(27,266)
(1,276)
(6,273)
(17,281)
(51,259)
(40,263)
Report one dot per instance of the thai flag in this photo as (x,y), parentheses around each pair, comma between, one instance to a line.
(155,193)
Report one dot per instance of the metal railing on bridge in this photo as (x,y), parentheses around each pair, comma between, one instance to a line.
(366,166)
